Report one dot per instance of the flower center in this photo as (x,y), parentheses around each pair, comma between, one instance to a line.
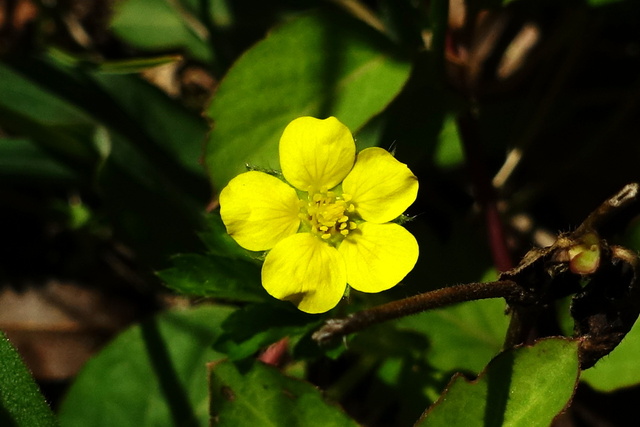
(328,214)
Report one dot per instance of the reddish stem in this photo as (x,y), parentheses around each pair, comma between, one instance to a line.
(484,192)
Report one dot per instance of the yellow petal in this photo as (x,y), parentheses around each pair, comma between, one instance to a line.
(259,210)
(381,187)
(378,256)
(316,154)
(306,271)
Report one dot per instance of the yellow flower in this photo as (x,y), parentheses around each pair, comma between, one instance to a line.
(331,226)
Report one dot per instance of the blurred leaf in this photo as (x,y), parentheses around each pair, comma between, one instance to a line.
(464,336)
(526,386)
(160,25)
(21,404)
(21,159)
(257,325)
(153,374)
(620,368)
(158,126)
(597,3)
(262,396)
(449,151)
(122,66)
(135,65)
(62,129)
(145,147)
(317,65)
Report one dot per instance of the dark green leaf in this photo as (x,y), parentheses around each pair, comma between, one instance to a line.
(30,109)
(214,276)
(262,396)
(21,404)
(248,330)
(21,159)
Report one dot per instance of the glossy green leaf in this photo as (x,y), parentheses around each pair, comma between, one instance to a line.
(526,386)
(317,65)
(160,25)
(262,396)
(618,369)
(464,336)
(153,374)
(21,404)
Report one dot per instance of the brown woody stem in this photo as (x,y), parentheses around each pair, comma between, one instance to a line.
(334,328)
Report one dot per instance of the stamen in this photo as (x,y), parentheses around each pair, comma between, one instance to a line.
(328,213)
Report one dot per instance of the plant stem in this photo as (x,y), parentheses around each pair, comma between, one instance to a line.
(483,191)
(441,297)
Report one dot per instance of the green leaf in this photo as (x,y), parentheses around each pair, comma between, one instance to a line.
(21,404)
(317,65)
(143,147)
(218,241)
(160,25)
(257,325)
(262,396)
(21,158)
(526,386)
(596,3)
(227,271)
(620,368)
(475,328)
(153,374)
(449,152)
(62,129)
(214,276)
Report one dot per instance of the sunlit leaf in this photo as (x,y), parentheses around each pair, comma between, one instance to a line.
(21,404)
(527,386)
(317,65)
(464,336)
(618,369)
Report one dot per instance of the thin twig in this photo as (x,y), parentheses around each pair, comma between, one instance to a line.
(429,300)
